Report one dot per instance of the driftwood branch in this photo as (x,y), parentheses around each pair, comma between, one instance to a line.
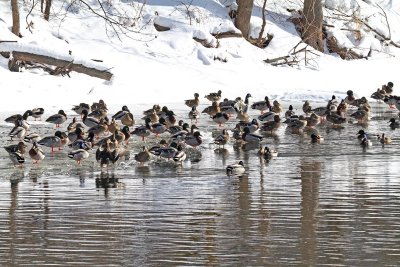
(62,66)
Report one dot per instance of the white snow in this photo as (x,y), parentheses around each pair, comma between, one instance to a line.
(167,67)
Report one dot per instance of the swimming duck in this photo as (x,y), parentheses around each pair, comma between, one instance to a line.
(180,155)
(220,118)
(394,124)
(194,140)
(298,125)
(212,110)
(271,126)
(316,138)
(360,115)
(58,118)
(214,97)
(363,139)
(193,102)
(81,107)
(262,105)
(36,153)
(78,155)
(313,120)
(384,140)
(235,169)
(222,139)
(250,137)
(267,153)
(289,112)
(193,114)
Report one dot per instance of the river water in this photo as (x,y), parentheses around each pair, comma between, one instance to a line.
(329,204)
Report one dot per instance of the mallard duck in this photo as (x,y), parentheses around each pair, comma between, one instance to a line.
(220,118)
(173,129)
(32,138)
(15,117)
(37,113)
(212,110)
(313,120)
(214,97)
(332,104)
(262,105)
(99,128)
(394,124)
(298,125)
(20,147)
(72,126)
(194,140)
(77,134)
(342,108)
(320,111)
(16,158)
(307,107)
(104,155)
(112,126)
(363,139)
(334,118)
(180,155)
(166,152)
(36,153)
(81,107)
(98,113)
(384,140)
(193,114)
(254,125)
(267,116)
(243,106)
(52,141)
(121,113)
(78,155)
(360,101)
(235,169)
(143,156)
(379,95)
(222,139)
(271,126)
(242,116)
(180,136)
(193,102)
(349,99)
(89,121)
(316,138)
(82,143)
(289,113)
(159,128)
(143,130)
(276,107)
(58,118)
(250,137)
(267,153)
(156,108)
(360,115)
(153,117)
(99,105)
(388,88)
(17,132)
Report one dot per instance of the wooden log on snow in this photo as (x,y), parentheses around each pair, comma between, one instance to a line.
(228,34)
(63,64)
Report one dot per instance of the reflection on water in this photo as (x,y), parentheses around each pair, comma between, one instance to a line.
(315,204)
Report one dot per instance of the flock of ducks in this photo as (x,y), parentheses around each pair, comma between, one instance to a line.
(93,128)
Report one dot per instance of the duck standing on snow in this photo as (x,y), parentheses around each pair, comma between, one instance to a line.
(89,121)
(80,108)
(58,118)
(193,102)
(37,113)
(214,97)
(235,169)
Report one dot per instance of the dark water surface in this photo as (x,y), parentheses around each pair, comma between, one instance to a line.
(315,205)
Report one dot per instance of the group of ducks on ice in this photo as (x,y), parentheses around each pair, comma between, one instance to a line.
(111,134)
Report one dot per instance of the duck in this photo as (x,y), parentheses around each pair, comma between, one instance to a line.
(36,153)
(194,114)
(394,124)
(220,118)
(78,155)
(16,158)
(214,97)
(276,107)
(98,113)
(32,138)
(262,105)
(298,125)
(155,109)
(125,116)
(342,108)
(193,102)
(15,117)
(177,128)
(349,99)
(180,155)
(58,118)
(306,107)
(333,104)
(320,111)
(170,118)
(267,153)
(243,106)
(181,135)
(267,116)
(379,95)
(72,125)
(242,115)
(99,128)
(89,121)
(254,125)
(143,156)
(166,152)
(99,105)
(236,169)
(212,110)
(360,101)
(143,131)
(334,118)
(20,147)
(316,138)
(388,88)
(271,126)
(384,140)
(313,120)
(82,143)
(360,115)
(81,107)
(37,113)
(104,155)
(127,134)
(194,140)
(52,141)
(77,134)
(222,139)
(289,113)
(363,139)
(113,125)
(118,116)
(250,137)
(159,128)
(17,132)
(154,118)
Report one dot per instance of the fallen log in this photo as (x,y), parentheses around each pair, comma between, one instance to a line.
(64,65)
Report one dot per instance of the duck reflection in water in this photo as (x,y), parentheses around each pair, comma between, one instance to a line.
(108,180)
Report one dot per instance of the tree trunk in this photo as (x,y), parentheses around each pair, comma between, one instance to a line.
(15,17)
(242,20)
(47,10)
(313,18)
